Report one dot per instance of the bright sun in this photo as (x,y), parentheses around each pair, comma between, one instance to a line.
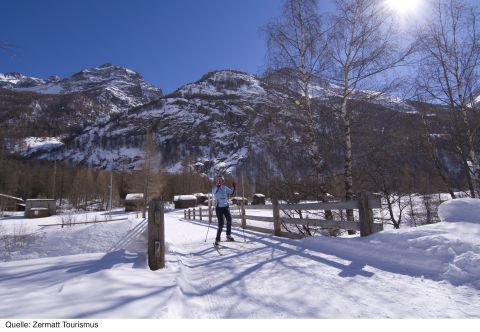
(403,6)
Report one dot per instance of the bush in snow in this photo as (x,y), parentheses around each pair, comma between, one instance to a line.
(68,218)
(12,242)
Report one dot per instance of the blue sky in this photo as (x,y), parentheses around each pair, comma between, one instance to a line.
(169,42)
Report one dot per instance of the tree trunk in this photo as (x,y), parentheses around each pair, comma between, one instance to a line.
(396,224)
(347,149)
(468,174)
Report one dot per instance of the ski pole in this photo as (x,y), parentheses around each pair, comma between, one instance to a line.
(209,213)
(207,231)
(243,200)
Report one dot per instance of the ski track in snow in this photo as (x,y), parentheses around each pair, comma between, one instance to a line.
(267,278)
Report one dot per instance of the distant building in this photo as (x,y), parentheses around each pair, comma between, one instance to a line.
(39,208)
(238,200)
(37,213)
(201,198)
(134,202)
(258,199)
(208,199)
(184,201)
(10,203)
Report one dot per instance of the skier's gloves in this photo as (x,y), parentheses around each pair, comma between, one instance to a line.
(234,184)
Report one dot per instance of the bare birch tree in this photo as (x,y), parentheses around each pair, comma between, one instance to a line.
(449,70)
(296,45)
(362,45)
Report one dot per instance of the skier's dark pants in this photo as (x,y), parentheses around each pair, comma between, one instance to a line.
(223,211)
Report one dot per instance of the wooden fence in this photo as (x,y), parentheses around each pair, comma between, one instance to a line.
(83,222)
(365,203)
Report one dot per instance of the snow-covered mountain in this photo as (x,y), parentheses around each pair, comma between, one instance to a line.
(228,118)
(117,88)
(213,122)
(216,124)
(32,107)
(19,81)
(325,90)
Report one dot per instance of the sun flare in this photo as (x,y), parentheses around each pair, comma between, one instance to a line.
(403,6)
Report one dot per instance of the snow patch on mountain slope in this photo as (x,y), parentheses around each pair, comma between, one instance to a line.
(30,145)
(329,90)
(223,83)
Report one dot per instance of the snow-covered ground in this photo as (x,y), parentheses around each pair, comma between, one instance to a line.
(100,271)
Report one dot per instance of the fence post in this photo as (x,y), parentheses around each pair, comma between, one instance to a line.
(276,218)
(188,214)
(184,214)
(156,235)
(366,215)
(193,209)
(244,220)
(200,213)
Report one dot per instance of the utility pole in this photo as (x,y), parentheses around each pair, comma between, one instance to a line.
(54,178)
(244,222)
(110,195)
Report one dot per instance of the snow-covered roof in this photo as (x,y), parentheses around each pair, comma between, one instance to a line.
(134,197)
(199,194)
(258,195)
(184,198)
(40,199)
(11,197)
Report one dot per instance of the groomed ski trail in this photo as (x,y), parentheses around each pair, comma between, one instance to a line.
(275,277)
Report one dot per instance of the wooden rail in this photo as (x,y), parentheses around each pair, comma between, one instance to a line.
(365,203)
(83,222)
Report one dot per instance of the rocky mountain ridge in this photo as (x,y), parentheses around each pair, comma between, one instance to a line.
(63,107)
(221,123)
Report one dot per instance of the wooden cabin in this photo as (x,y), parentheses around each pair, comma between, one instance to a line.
(238,200)
(201,198)
(134,202)
(258,199)
(184,201)
(37,213)
(11,203)
(43,208)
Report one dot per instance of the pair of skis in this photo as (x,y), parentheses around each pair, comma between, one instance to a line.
(218,247)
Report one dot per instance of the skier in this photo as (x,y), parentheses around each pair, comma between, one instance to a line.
(221,193)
